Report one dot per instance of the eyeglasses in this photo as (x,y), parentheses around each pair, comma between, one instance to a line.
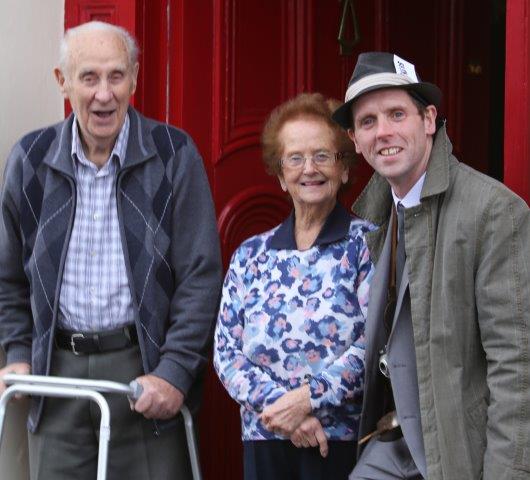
(322,158)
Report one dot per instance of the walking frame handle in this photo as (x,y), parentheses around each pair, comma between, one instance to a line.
(50,386)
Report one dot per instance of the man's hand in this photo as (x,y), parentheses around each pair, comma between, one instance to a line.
(311,434)
(159,398)
(21,368)
(288,412)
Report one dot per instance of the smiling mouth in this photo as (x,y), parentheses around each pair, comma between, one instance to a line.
(313,183)
(103,114)
(387,152)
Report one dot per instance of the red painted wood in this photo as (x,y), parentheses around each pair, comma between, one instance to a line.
(517,98)
(119,12)
(190,73)
(381,25)
(253,209)
(152,34)
(447,69)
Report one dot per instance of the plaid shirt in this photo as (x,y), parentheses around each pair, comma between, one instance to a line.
(95,293)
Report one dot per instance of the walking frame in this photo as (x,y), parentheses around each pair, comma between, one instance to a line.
(91,390)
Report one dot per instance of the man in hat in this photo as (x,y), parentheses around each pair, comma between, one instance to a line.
(109,268)
(447,335)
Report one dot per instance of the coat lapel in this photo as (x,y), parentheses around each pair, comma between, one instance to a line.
(375,336)
(378,295)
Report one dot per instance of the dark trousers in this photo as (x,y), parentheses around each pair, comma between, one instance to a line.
(281,460)
(386,461)
(65,446)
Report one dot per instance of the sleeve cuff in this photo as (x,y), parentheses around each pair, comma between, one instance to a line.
(18,353)
(318,388)
(174,374)
(266,396)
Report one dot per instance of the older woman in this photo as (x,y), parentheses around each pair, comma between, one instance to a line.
(289,344)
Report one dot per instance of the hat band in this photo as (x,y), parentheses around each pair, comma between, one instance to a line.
(377,79)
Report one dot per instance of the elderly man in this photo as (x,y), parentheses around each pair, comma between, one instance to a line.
(109,267)
(447,358)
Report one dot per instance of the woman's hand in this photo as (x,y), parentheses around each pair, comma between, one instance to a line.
(311,434)
(286,414)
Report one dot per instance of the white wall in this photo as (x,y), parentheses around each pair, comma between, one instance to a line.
(30,31)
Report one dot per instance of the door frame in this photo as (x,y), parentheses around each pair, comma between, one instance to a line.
(517,98)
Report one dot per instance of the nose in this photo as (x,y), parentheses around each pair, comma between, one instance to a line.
(309,166)
(384,127)
(103,92)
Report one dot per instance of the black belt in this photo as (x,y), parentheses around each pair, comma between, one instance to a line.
(96,342)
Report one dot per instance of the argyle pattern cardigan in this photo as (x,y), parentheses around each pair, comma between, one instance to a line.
(169,238)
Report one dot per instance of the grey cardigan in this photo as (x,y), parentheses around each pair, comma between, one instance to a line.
(169,238)
(468,254)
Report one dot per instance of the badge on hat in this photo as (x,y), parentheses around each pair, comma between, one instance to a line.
(405,68)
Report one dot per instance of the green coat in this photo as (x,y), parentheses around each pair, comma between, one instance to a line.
(468,253)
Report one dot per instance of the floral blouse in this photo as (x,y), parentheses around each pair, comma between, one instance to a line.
(289,317)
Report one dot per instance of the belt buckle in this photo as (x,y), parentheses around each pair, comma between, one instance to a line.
(72,342)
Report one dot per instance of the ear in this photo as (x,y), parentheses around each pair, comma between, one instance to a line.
(351,134)
(282,183)
(430,120)
(135,77)
(61,80)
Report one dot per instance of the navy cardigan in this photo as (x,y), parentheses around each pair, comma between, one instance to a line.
(169,238)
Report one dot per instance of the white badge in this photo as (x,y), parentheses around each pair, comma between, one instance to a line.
(405,68)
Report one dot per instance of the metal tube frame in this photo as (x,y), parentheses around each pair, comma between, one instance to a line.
(89,389)
(67,392)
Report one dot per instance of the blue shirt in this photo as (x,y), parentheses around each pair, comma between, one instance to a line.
(288,317)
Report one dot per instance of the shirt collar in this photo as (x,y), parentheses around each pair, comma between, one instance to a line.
(335,228)
(120,146)
(412,198)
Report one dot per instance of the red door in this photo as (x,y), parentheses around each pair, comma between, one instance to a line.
(249,56)
(217,68)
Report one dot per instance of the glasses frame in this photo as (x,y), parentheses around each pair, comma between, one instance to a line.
(335,156)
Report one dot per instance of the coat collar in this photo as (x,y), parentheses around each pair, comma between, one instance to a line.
(59,156)
(437,178)
(335,228)
(140,146)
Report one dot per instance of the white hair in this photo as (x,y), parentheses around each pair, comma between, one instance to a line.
(128,40)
